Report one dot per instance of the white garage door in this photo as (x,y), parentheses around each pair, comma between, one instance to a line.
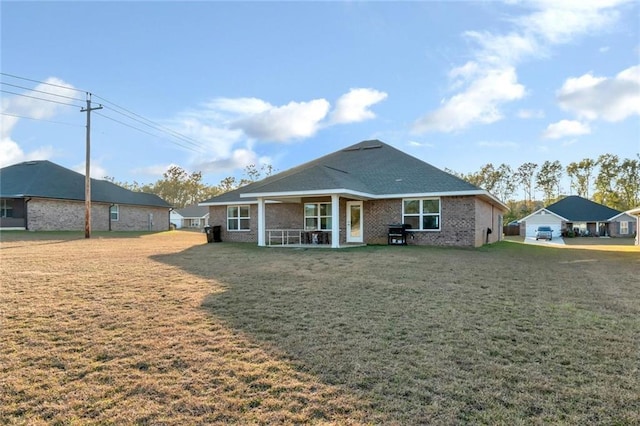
(543,218)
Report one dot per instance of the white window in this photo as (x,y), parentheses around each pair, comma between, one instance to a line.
(317,216)
(114,212)
(624,228)
(6,209)
(422,214)
(238,218)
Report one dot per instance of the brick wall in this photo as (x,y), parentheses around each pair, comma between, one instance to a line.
(63,215)
(464,221)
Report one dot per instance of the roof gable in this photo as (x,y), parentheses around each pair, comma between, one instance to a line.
(49,180)
(578,209)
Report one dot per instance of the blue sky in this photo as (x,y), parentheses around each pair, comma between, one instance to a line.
(215,86)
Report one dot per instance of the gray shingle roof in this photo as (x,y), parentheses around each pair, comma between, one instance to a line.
(371,167)
(48,180)
(194,211)
(578,209)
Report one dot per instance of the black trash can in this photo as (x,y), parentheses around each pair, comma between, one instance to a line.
(209,231)
(217,234)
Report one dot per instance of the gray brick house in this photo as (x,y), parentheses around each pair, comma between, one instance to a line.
(367,193)
(43,196)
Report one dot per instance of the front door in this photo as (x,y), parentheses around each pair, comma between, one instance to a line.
(354,222)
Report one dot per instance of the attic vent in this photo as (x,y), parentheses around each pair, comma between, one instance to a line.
(31,163)
(362,148)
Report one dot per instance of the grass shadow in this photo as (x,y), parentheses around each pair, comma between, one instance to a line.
(507,333)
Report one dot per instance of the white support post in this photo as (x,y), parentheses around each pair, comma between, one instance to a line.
(261,224)
(335,221)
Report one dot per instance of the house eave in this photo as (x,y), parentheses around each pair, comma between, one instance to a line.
(368,196)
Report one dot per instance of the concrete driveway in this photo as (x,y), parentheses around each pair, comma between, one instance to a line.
(556,241)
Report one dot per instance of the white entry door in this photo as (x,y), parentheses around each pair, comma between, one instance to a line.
(354,222)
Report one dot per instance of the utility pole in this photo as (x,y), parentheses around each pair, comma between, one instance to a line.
(87,173)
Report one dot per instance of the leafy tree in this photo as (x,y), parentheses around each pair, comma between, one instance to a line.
(505,182)
(580,174)
(628,184)
(524,176)
(548,180)
(605,182)
(180,188)
(252,174)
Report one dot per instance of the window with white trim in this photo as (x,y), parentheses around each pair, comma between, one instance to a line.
(114,212)
(423,214)
(624,228)
(6,208)
(238,218)
(317,216)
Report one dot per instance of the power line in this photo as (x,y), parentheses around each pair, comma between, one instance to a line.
(42,82)
(40,119)
(42,91)
(115,108)
(40,99)
(146,122)
(145,132)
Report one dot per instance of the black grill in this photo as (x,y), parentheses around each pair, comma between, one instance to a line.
(398,234)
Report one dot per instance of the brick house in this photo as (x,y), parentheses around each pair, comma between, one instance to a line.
(367,193)
(581,217)
(43,196)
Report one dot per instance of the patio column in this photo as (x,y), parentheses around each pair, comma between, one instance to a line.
(335,221)
(261,220)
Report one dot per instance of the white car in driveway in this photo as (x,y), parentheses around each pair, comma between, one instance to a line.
(544,233)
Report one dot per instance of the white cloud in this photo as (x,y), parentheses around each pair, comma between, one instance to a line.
(566,128)
(417,144)
(560,21)
(609,99)
(530,113)
(239,159)
(97,171)
(354,106)
(222,124)
(479,103)
(11,153)
(549,23)
(10,150)
(280,124)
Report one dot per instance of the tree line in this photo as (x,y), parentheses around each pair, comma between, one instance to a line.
(180,188)
(607,180)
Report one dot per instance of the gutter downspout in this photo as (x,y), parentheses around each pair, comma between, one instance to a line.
(26,214)
(169,219)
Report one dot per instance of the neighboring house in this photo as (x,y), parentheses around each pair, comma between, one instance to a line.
(582,216)
(43,196)
(191,217)
(176,219)
(636,212)
(355,196)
